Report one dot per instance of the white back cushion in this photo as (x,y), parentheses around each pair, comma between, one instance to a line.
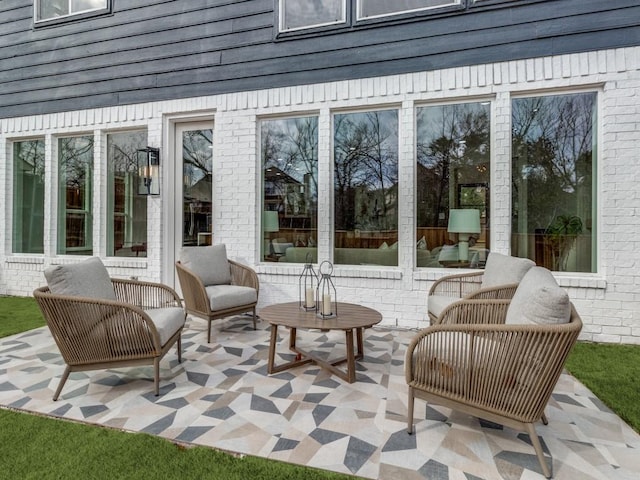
(503,270)
(209,263)
(539,300)
(88,278)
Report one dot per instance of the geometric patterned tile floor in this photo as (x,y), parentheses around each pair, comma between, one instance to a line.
(221,396)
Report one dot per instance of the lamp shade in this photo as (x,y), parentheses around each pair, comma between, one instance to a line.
(464,220)
(270,221)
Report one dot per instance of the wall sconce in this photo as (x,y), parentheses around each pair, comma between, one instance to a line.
(149,171)
(464,222)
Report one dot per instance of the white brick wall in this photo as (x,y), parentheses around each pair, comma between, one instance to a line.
(609,301)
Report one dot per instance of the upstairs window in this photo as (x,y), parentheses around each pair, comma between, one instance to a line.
(52,9)
(380,8)
(297,14)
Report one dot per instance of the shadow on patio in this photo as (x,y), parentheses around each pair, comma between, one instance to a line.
(221,396)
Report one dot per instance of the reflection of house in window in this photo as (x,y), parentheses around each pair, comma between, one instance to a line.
(289,197)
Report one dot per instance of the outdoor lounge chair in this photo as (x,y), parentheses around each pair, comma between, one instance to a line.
(100,322)
(497,359)
(215,287)
(498,280)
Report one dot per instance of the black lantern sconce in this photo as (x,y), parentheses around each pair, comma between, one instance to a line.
(149,171)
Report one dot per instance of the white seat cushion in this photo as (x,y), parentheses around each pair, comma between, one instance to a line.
(167,321)
(222,297)
(209,263)
(437,303)
(504,270)
(539,300)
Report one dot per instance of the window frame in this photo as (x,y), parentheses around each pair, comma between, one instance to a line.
(69,17)
(280,7)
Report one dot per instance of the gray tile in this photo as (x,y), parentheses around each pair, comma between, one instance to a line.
(323,436)
(358,453)
(433,470)
(263,405)
(400,440)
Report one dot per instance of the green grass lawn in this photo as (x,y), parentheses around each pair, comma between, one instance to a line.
(43,447)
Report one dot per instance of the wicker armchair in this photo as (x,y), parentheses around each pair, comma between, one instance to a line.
(499,280)
(218,300)
(137,328)
(480,361)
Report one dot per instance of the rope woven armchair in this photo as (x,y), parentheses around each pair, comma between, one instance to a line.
(136,324)
(215,287)
(499,280)
(497,359)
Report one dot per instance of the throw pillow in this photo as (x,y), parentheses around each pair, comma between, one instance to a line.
(88,278)
(384,246)
(311,242)
(539,300)
(394,246)
(422,244)
(209,263)
(503,270)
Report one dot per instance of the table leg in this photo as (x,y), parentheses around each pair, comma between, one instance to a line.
(351,360)
(272,347)
(360,342)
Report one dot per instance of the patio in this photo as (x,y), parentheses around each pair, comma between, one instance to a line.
(221,396)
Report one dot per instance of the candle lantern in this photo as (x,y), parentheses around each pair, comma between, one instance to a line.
(326,299)
(307,286)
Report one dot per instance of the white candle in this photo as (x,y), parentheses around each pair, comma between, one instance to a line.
(326,304)
(308,298)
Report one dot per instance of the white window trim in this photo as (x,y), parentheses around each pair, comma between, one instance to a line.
(68,16)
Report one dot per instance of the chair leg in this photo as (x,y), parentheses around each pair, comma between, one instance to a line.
(179,342)
(63,380)
(156,374)
(209,332)
(535,440)
(410,412)
(544,419)
(254,318)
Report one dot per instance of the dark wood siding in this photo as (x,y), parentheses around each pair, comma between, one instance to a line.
(149,50)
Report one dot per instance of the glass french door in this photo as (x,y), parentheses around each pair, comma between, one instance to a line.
(194,164)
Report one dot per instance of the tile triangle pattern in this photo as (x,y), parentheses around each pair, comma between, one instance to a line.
(222,396)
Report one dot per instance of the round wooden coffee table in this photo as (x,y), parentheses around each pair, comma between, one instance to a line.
(350,317)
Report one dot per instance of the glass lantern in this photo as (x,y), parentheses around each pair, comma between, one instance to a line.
(326,299)
(307,286)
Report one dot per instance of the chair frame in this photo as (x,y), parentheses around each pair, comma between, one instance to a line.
(125,335)
(467,286)
(508,379)
(197,301)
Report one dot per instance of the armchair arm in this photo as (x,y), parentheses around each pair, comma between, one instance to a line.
(477,312)
(494,293)
(244,275)
(145,294)
(195,296)
(458,285)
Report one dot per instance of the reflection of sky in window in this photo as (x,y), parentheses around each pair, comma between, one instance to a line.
(305,13)
(371,8)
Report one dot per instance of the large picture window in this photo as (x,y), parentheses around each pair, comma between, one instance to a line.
(553,181)
(51,9)
(297,14)
(126,208)
(379,8)
(75,194)
(289,151)
(452,185)
(28,196)
(366,188)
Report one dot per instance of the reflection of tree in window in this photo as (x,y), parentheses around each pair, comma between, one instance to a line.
(127,209)
(553,158)
(28,197)
(366,170)
(75,163)
(197,165)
